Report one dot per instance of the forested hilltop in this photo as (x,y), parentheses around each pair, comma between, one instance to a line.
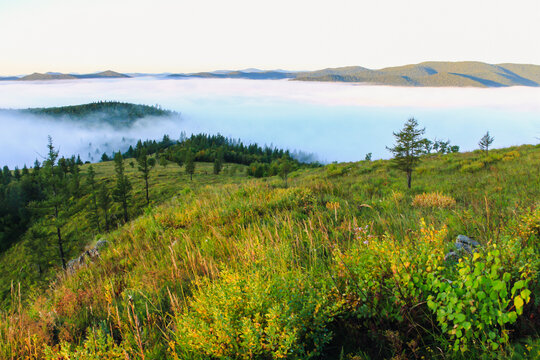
(118,114)
(182,252)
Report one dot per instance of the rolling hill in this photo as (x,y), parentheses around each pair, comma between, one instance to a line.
(431,73)
(59,76)
(253,74)
(462,74)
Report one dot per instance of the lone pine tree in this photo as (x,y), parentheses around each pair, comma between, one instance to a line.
(408,148)
(485,142)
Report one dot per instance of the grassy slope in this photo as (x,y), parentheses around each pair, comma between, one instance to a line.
(200,276)
(165,183)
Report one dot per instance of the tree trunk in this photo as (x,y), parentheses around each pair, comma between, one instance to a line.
(124,203)
(147,198)
(96,209)
(61,247)
(409,177)
(106,221)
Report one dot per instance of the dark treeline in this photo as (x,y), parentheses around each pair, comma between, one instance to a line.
(24,194)
(206,148)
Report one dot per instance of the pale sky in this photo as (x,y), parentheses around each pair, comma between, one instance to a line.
(201,35)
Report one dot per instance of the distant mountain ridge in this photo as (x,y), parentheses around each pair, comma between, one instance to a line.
(433,73)
(59,76)
(254,74)
(429,74)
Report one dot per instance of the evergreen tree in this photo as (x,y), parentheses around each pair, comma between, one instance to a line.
(218,163)
(121,192)
(91,182)
(145,165)
(190,164)
(179,157)
(485,142)
(408,148)
(163,160)
(284,169)
(75,181)
(56,198)
(105,203)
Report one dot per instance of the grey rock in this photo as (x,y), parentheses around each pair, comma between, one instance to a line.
(451,256)
(467,240)
(464,245)
(101,244)
(86,257)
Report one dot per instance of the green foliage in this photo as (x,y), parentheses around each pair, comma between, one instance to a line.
(485,142)
(121,192)
(97,346)
(190,164)
(329,267)
(408,148)
(481,301)
(255,316)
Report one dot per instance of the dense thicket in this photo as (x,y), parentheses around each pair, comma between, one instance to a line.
(208,148)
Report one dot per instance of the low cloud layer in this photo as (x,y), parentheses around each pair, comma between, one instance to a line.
(336,121)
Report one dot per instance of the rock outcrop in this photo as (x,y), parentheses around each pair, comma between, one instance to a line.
(86,257)
(464,245)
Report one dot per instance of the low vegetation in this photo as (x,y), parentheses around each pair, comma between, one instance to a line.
(342,261)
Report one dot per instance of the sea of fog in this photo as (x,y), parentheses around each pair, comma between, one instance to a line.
(334,121)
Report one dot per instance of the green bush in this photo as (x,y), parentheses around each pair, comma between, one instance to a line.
(254,316)
(477,305)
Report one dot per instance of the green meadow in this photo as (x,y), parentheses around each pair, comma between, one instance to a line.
(341,262)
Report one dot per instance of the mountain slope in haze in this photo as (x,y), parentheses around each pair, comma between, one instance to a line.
(433,73)
(59,76)
(243,74)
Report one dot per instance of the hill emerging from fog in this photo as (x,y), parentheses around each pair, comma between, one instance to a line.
(117,114)
(439,74)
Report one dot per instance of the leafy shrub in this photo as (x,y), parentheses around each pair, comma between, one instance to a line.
(333,170)
(96,347)
(476,305)
(511,155)
(472,166)
(254,316)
